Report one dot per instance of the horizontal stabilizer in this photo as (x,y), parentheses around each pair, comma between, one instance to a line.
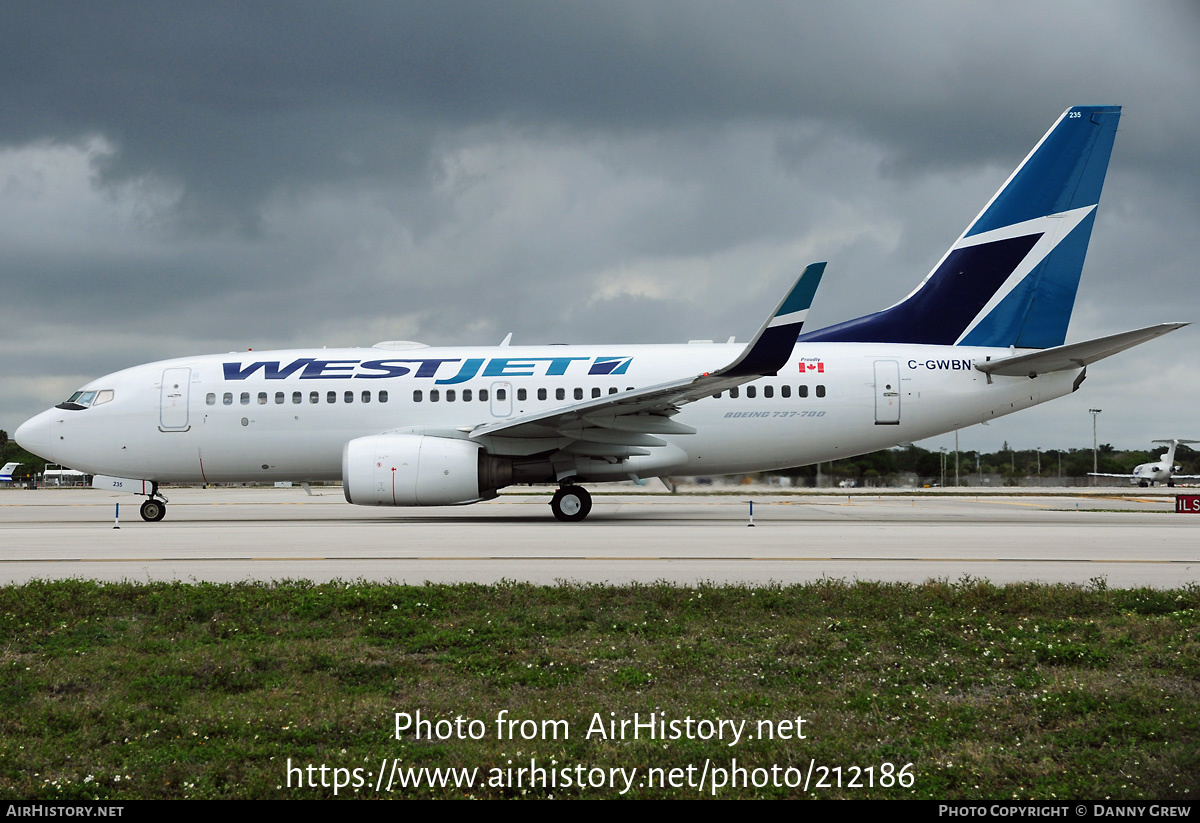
(1073,355)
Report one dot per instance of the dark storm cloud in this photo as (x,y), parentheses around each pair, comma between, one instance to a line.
(234,100)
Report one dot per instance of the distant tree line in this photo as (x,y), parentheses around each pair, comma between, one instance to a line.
(883,465)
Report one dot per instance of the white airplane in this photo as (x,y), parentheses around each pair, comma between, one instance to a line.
(1162,470)
(6,473)
(402,424)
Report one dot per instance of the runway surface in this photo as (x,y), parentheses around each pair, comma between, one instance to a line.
(1127,539)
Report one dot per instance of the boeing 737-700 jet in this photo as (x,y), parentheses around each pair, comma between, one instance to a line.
(402,424)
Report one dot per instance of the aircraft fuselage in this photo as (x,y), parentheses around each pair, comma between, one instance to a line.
(287,415)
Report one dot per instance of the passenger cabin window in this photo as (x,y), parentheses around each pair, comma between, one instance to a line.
(297,397)
(785,391)
(541,394)
(348,397)
(768,391)
(279,398)
(483,395)
(210,399)
(450,395)
(820,391)
(245,398)
(434,395)
(734,392)
(751,391)
(560,394)
(314,397)
(417,396)
(366,397)
(262,398)
(331,397)
(501,394)
(466,395)
(227,398)
(802,391)
(383,396)
(522,394)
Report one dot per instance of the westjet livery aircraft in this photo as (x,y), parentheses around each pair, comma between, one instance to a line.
(403,424)
(1162,470)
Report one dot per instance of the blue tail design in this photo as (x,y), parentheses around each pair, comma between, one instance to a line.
(1011,278)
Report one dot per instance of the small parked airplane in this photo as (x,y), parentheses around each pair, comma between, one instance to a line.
(1162,470)
(402,424)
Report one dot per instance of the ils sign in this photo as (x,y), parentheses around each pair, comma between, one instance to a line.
(1187,503)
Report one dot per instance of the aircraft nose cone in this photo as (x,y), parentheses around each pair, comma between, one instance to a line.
(34,434)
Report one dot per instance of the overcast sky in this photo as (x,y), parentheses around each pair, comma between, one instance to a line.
(183,178)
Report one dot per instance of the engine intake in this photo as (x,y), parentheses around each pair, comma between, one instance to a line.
(418,470)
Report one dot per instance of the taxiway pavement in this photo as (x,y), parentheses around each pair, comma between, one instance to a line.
(1124,538)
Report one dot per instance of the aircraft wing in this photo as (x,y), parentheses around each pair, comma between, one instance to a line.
(1073,355)
(620,425)
(1123,476)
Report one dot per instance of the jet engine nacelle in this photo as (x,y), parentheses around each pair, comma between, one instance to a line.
(418,470)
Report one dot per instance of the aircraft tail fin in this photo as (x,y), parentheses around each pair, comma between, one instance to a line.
(1169,455)
(1011,278)
(7,472)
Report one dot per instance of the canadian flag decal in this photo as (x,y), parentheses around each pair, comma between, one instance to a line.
(812,366)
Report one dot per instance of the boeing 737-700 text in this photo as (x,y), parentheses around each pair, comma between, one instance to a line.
(402,424)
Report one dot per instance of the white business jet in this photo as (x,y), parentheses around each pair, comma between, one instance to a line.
(1162,470)
(402,424)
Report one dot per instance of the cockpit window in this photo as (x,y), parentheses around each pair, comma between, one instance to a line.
(86,399)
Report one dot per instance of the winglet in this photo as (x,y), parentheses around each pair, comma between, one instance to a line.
(770,349)
(647,409)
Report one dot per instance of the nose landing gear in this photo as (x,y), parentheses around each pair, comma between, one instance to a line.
(155,507)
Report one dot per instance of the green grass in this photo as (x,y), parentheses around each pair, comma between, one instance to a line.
(171,690)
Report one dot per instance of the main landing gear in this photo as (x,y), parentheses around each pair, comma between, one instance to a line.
(155,507)
(571,503)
